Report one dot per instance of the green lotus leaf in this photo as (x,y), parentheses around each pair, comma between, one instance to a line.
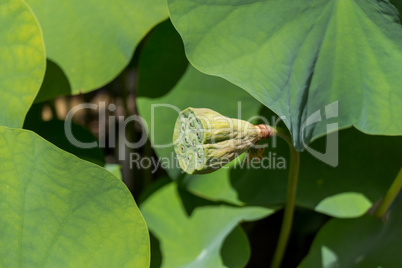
(361,242)
(235,250)
(92,42)
(234,253)
(177,219)
(299,57)
(22,61)
(344,205)
(60,211)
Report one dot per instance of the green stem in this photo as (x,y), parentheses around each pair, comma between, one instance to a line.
(390,196)
(290,200)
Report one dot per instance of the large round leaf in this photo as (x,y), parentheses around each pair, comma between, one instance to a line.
(22,61)
(297,57)
(92,41)
(363,242)
(177,219)
(60,211)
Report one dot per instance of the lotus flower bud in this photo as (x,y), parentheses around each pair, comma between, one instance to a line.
(205,140)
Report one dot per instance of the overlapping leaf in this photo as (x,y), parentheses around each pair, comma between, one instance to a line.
(22,61)
(362,242)
(177,220)
(297,57)
(93,41)
(58,210)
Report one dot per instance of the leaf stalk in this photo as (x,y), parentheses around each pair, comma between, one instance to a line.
(390,196)
(290,200)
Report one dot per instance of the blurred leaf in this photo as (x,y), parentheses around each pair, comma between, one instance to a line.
(297,57)
(398,4)
(156,259)
(153,187)
(60,211)
(235,250)
(179,229)
(162,61)
(92,41)
(53,131)
(54,84)
(115,170)
(22,61)
(362,242)
(193,90)
(344,205)
(362,169)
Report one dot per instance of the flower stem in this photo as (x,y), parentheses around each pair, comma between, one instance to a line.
(290,200)
(390,196)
